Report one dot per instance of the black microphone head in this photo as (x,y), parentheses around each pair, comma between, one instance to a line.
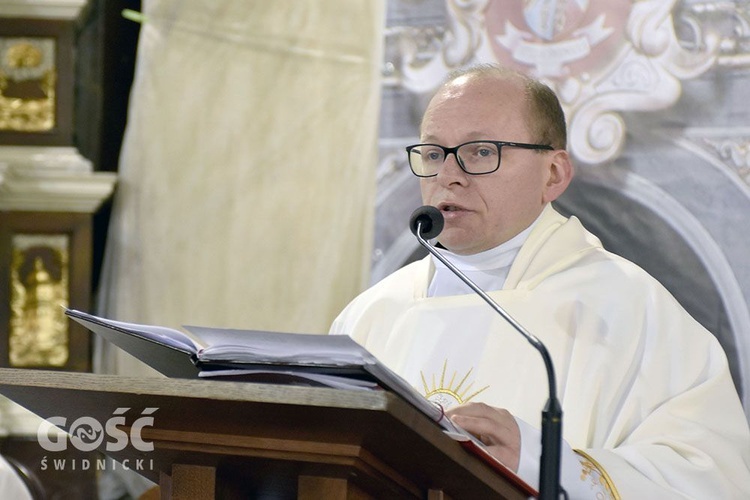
(429,219)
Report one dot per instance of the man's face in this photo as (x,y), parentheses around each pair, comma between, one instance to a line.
(483,211)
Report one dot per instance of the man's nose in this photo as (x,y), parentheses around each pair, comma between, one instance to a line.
(451,170)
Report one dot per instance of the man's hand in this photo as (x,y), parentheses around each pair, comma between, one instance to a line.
(495,427)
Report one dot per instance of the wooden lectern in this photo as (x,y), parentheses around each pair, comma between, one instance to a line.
(232,440)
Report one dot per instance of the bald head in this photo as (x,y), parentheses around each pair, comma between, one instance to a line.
(544,116)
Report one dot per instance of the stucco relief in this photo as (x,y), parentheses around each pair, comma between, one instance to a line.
(731,148)
(601,57)
(735,152)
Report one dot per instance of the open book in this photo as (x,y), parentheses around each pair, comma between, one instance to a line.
(310,359)
(335,361)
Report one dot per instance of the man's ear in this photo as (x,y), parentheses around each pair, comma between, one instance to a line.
(560,172)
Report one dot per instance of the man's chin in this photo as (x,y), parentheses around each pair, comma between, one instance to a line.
(454,245)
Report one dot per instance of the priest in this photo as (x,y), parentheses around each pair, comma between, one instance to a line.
(650,409)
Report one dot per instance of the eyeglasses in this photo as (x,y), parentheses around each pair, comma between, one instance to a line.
(474,158)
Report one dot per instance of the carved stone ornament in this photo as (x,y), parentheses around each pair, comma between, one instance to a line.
(44,9)
(47,179)
(600,57)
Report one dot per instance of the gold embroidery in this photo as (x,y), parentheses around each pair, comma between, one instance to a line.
(451,393)
(595,473)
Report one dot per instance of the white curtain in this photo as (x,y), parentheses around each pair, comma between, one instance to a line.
(247,176)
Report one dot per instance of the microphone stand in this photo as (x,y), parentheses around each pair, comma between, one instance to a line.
(549,472)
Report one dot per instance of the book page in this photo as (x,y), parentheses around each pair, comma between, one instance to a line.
(253,346)
(159,334)
(291,377)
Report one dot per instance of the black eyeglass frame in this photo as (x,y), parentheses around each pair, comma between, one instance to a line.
(454,150)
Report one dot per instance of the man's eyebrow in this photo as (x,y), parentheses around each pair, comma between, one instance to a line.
(474,136)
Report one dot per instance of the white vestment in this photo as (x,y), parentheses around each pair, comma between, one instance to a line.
(11,485)
(645,389)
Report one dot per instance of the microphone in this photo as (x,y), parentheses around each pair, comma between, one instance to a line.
(427,222)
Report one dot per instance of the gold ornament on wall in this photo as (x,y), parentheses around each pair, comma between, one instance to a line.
(39,334)
(27,84)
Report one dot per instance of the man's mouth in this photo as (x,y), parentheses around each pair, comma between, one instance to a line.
(448,207)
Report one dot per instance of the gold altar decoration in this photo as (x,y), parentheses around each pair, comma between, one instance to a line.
(39,333)
(27,84)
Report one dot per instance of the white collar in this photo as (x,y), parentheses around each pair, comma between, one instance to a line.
(494,258)
(487,269)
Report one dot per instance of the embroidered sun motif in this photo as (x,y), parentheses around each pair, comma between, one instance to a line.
(452,393)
